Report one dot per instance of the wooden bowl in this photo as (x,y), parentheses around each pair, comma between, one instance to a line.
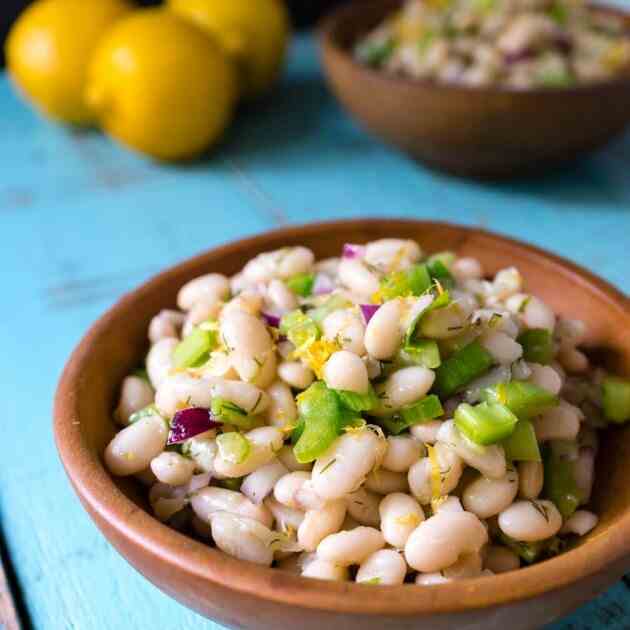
(246,595)
(481,132)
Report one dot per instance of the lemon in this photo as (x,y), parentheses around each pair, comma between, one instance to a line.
(161,85)
(48,50)
(254,33)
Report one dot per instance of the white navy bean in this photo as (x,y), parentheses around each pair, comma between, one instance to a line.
(296,375)
(488,460)
(407,386)
(282,410)
(264,443)
(536,314)
(427,579)
(531,477)
(210,289)
(344,466)
(507,282)
(449,504)
(165,324)
(546,377)
(323,570)
(426,550)
(363,506)
(245,395)
(354,275)
(286,518)
(249,302)
(200,312)
(385,482)
(383,335)
(295,260)
(260,483)
(584,473)
(559,423)
(392,254)
(182,390)
(500,559)
(281,297)
(400,515)
(580,523)
(573,360)
(244,333)
(502,347)
(421,474)
(350,547)
(241,537)
(132,449)
(307,498)
(466,269)
(386,567)
(135,394)
(209,500)
(487,497)
(321,522)
(347,328)
(426,432)
(402,452)
(344,370)
(530,521)
(202,449)
(159,360)
(287,487)
(468,565)
(172,468)
(445,323)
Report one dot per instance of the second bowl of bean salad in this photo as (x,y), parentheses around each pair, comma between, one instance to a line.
(401,412)
(486,89)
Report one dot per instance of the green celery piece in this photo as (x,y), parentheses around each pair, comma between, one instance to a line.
(425,41)
(333,303)
(226,411)
(522,445)
(429,408)
(301,283)
(446,258)
(233,447)
(523,399)
(439,301)
(556,79)
(528,551)
(149,410)
(485,423)
(616,399)
(558,13)
(375,53)
(321,410)
(233,484)
(358,402)
(537,345)
(425,352)
(560,485)
(299,328)
(462,367)
(297,431)
(439,272)
(194,349)
(412,281)
(141,373)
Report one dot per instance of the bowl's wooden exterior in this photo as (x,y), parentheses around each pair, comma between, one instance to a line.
(481,132)
(245,595)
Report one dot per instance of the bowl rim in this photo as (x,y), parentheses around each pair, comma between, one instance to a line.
(326,31)
(103,499)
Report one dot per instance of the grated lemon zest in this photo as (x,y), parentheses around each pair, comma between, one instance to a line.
(316,353)
(408,519)
(436,473)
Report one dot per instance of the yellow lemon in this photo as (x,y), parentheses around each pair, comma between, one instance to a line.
(161,85)
(48,50)
(254,32)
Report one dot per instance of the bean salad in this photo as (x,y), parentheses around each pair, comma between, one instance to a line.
(383,417)
(522,44)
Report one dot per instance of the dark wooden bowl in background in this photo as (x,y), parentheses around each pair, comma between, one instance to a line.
(246,595)
(480,132)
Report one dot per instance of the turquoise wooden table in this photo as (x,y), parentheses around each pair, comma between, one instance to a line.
(82,221)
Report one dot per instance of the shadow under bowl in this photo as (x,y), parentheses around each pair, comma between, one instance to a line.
(244,595)
(483,132)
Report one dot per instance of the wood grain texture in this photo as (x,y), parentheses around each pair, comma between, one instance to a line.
(75,210)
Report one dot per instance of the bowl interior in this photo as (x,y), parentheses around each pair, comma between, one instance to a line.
(117,343)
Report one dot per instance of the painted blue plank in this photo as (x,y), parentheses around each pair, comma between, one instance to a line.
(83,221)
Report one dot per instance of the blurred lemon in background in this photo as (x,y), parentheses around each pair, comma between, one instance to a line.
(48,50)
(161,85)
(253,32)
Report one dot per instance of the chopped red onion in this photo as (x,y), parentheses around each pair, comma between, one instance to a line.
(190,422)
(323,284)
(271,320)
(520,55)
(351,250)
(368,311)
